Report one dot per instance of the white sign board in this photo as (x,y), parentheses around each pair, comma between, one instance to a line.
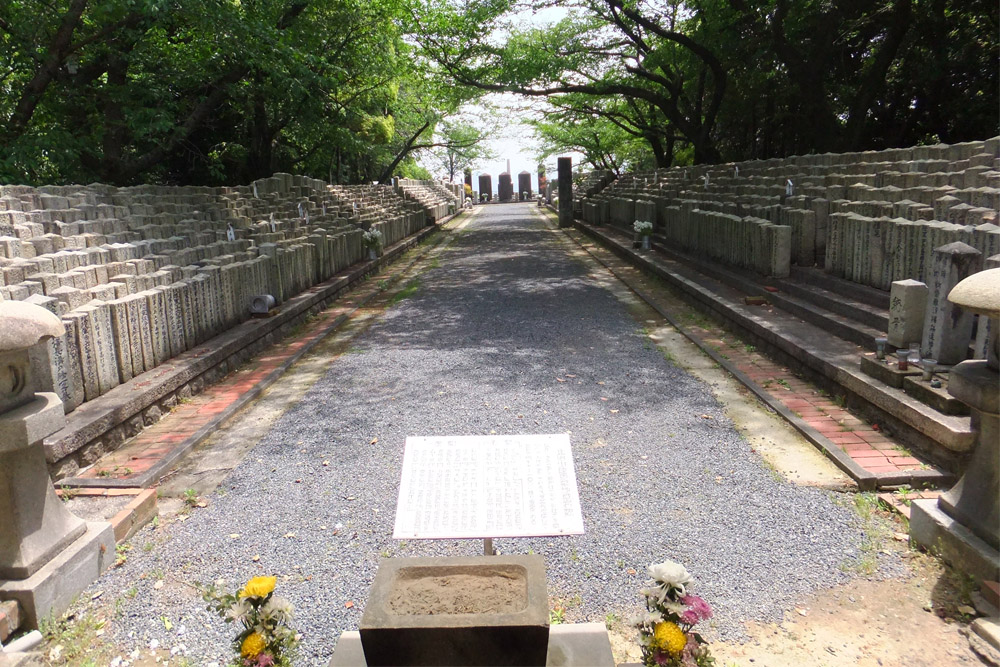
(488,486)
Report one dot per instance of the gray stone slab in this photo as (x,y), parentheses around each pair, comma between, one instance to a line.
(907,310)
(947,327)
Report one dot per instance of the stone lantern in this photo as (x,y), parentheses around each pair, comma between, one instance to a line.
(47,555)
(964,523)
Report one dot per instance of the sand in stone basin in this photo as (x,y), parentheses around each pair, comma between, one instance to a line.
(459,594)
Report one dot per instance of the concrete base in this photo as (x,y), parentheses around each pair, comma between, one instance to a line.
(51,590)
(989,629)
(517,634)
(957,545)
(573,645)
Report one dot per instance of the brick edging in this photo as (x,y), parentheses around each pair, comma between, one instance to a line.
(866,481)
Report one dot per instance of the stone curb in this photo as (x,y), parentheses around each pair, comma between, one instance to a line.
(95,418)
(866,481)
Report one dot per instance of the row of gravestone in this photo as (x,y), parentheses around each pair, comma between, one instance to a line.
(831,204)
(139,275)
(438,199)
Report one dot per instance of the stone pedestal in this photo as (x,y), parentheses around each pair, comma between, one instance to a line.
(565,176)
(964,524)
(489,610)
(47,555)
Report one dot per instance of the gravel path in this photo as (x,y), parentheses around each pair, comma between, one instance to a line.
(477,349)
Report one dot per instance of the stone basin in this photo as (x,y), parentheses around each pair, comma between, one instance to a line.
(486,610)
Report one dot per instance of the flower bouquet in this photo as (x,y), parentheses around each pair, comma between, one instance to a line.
(266,637)
(643,227)
(667,629)
(372,239)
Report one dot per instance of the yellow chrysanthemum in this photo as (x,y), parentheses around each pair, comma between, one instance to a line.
(667,636)
(258,587)
(252,645)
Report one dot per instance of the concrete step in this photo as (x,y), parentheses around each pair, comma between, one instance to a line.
(814,348)
(864,313)
(820,278)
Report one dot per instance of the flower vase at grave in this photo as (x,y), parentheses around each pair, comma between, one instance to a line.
(645,242)
(372,255)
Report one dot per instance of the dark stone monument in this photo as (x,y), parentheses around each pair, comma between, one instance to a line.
(486,186)
(565,173)
(505,188)
(490,610)
(524,185)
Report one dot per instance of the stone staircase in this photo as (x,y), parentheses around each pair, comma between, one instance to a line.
(822,238)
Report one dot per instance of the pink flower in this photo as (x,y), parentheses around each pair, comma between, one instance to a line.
(697,610)
(661,657)
(265,660)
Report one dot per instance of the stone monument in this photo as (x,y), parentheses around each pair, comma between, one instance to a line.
(524,186)
(964,523)
(47,555)
(486,186)
(565,175)
(505,188)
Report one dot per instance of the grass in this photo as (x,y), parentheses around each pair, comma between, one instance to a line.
(74,641)
(408,291)
(784,383)
(876,529)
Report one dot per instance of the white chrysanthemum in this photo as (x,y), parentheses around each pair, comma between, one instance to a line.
(278,610)
(647,620)
(670,575)
(239,611)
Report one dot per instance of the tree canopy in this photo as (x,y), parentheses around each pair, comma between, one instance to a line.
(711,80)
(224,91)
(213,91)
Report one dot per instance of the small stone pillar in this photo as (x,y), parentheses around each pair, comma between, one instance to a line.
(964,523)
(907,307)
(47,555)
(565,175)
(947,328)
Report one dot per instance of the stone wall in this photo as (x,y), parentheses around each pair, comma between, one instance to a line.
(139,275)
(872,217)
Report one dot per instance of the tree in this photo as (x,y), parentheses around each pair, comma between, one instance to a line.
(461,147)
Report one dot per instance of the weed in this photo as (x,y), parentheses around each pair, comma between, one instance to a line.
(434,263)
(383,285)
(121,554)
(68,494)
(190,497)
(610,619)
(620,563)
(558,614)
(875,533)
(749,349)
(408,291)
(148,546)
(784,383)
(767,383)
(74,641)
(573,555)
(903,494)
(386,553)
(840,400)
(668,355)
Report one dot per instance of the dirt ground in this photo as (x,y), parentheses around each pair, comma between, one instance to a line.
(913,622)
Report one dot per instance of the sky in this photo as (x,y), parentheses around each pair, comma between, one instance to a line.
(513,141)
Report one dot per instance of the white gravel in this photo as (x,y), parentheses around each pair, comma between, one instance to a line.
(476,350)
